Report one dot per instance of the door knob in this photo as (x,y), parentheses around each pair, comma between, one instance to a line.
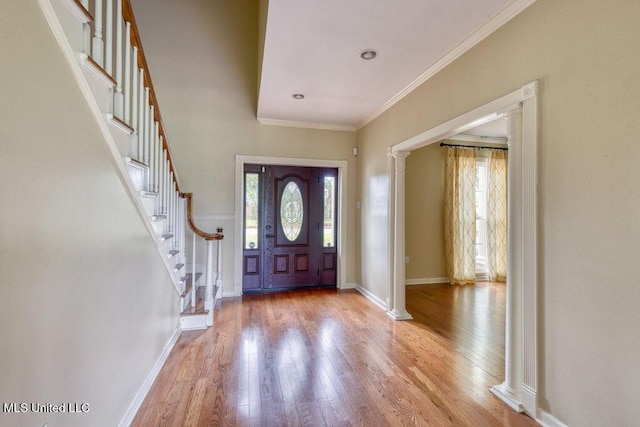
(269,236)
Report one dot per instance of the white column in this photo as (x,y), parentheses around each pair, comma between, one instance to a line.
(509,391)
(208,298)
(399,311)
(98,44)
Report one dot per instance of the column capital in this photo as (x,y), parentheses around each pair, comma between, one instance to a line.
(400,154)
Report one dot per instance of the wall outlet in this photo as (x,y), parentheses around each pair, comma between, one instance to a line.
(406,260)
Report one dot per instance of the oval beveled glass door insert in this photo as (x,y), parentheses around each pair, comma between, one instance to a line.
(291,211)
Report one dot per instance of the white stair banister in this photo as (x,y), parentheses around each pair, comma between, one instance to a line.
(111,41)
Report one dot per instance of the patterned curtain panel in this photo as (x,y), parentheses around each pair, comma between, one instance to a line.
(497,216)
(460,215)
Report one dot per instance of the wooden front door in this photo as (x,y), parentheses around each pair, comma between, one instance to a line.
(290,235)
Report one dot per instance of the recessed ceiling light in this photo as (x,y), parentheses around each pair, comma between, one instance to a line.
(298,96)
(368,54)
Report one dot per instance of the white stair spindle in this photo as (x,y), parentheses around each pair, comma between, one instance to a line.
(127,74)
(150,136)
(146,128)
(98,43)
(178,222)
(165,179)
(193,270)
(108,38)
(172,211)
(156,159)
(140,114)
(160,151)
(118,101)
(134,88)
(174,207)
(160,183)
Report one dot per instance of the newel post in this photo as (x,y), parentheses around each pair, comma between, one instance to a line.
(208,299)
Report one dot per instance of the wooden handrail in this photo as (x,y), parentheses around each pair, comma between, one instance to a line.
(127,13)
(206,236)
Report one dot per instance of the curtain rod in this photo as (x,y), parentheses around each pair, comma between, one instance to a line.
(442,144)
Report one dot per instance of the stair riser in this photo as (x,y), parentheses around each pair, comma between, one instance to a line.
(188,323)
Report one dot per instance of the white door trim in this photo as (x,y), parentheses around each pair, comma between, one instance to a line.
(341,165)
(521,359)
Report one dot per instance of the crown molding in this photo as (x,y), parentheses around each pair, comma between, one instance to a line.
(307,125)
(504,16)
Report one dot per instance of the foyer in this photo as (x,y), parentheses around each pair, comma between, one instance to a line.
(331,357)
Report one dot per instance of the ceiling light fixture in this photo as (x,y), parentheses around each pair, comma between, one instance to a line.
(298,96)
(368,54)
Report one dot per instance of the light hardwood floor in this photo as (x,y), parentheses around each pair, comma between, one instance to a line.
(327,357)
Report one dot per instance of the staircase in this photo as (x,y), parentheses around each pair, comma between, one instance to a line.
(100,41)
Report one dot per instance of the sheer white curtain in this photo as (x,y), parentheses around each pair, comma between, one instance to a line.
(497,215)
(460,215)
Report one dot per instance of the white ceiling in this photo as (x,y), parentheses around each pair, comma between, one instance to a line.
(313,47)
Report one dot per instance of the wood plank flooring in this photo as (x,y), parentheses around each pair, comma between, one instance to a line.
(328,357)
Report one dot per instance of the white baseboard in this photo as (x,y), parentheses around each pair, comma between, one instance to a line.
(548,420)
(131,412)
(350,285)
(371,296)
(427,281)
(231,293)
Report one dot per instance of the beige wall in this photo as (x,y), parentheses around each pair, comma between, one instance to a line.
(203,57)
(585,55)
(424,213)
(87,305)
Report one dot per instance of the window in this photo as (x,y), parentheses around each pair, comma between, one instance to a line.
(481,215)
(329,223)
(251,206)
(291,211)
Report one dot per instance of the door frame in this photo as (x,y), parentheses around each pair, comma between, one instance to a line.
(341,165)
(520,388)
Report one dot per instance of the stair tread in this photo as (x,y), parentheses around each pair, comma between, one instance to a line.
(178,267)
(166,236)
(188,312)
(172,253)
(158,217)
(189,284)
